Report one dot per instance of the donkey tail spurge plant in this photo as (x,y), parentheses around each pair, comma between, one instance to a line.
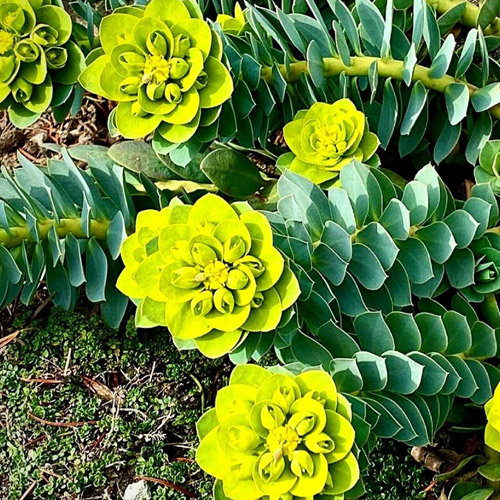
(164,68)
(209,272)
(325,138)
(35,53)
(278,436)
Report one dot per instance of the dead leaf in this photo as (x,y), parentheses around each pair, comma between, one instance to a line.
(100,390)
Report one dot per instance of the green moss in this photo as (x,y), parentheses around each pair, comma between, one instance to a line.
(146,429)
(394,475)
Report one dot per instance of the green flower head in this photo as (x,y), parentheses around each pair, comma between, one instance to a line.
(278,436)
(325,138)
(36,54)
(488,170)
(492,432)
(233,25)
(163,67)
(209,272)
(486,270)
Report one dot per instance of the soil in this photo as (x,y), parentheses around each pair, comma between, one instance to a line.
(87,127)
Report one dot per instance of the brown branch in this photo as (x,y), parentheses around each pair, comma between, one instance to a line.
(30,489)
(36,440)
(168,484)
(41,381)
(61,424)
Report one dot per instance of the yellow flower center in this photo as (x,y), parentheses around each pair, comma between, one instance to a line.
(330,138)
(156,69)
(216,274)
(282,441)
(6,42)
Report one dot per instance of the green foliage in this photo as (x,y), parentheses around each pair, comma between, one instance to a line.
(488,169)
(394,67)
(145,432)
(208,271)
(285,435)
(325,138)
(39,60)
(378,246)
(392,474)
(232,172)
(65,225)
(371,259)
(163,66)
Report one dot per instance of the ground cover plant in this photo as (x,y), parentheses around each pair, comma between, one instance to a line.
(281,237)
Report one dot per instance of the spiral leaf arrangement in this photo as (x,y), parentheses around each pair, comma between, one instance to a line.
(66,226)
(39,60)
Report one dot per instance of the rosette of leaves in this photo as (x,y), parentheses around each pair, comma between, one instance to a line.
(487,268)
(394,65)
(39,63)
(276,435)
(325,138)
(65,226)
(492,431)
(234,25)
(209,272)
(163,67)
(488,169)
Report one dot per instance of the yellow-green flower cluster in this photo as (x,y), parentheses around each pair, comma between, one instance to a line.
(492,432)
(233,25)
(325,138)
(209,272)
(278,436)
(163,66)
(35,52)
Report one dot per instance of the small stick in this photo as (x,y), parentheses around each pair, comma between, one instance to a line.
(66,366)
(36,440)
(50,473)
(183,459)
(168,484)
(41,381)
(41,307)
(61,424)
(27,493)
(430,487)
(28,155)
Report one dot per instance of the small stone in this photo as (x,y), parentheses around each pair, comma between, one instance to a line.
(137,491)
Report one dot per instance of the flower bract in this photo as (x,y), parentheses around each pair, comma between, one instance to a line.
(325,138)
(279,436)
(209,272)
(38,60)
(162,64)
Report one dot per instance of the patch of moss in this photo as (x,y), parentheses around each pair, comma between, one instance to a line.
(143,423)
(394,475)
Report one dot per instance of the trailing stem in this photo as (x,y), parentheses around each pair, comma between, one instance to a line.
(360,66)
(470,15)
(17,234)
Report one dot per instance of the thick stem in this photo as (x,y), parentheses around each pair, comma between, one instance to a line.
(18,234)
(490,310)
(470,15)
(360,66)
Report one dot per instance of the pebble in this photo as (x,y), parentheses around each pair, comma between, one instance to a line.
(137,491)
